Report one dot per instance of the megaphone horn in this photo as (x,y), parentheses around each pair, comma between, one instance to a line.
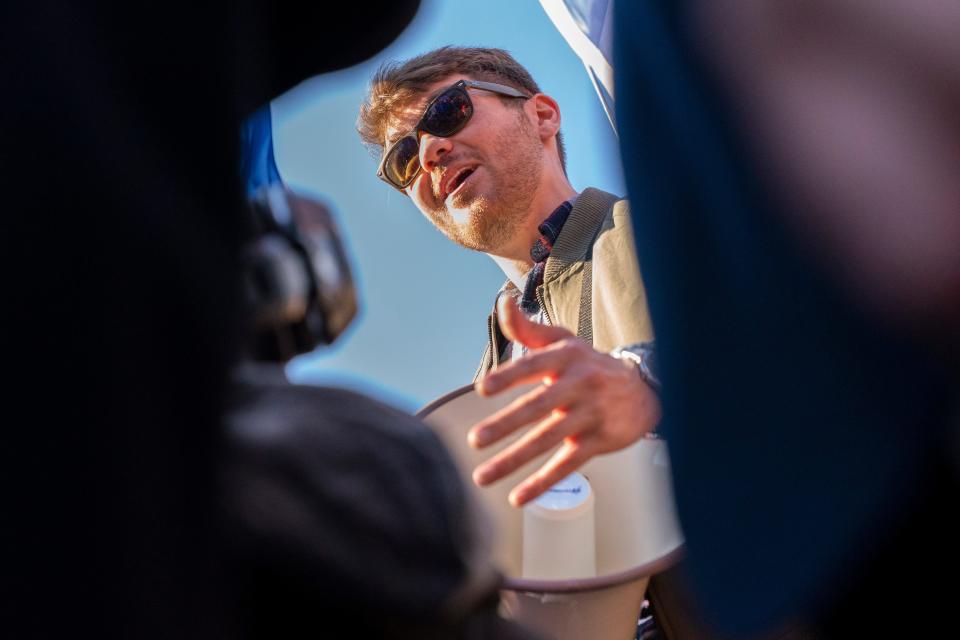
(558,580)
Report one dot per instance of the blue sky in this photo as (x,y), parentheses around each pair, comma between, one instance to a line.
(422,325)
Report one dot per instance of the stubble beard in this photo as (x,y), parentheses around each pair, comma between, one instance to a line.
(493,221)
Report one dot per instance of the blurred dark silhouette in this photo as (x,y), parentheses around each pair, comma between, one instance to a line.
(343,517)
(122,242)
(792,173)
(347,519)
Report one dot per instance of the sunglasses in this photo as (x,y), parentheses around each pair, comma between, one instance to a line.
(446,114)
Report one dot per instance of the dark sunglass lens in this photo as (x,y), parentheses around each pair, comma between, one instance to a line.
(403,162)
(448,113)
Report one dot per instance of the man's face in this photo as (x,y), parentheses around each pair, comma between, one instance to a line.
(477,185)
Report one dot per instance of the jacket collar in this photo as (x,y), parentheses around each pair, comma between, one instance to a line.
(578,233)
(576,238)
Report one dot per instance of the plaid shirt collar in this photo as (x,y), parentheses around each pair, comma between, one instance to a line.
(549,232)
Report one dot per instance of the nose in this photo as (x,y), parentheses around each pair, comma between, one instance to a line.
(432,149)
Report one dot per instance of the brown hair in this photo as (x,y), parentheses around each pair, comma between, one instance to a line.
(397,84)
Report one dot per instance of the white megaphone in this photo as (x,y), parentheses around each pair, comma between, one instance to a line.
(558,581)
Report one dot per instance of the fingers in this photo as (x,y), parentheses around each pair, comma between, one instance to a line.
(548,363)
(521,412)
(517,327)
(538,440)
(568,458)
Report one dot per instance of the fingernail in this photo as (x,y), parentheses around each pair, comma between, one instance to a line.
(487,387)
(518,497)
(473,439)
(480,476)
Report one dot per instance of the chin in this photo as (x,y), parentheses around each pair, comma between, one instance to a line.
(462,201)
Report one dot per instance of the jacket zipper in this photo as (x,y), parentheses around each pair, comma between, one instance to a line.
(492,344)
(546,314)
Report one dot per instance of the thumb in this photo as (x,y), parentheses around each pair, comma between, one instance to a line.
(517,327)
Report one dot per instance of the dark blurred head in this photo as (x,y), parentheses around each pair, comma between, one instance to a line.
(298,286)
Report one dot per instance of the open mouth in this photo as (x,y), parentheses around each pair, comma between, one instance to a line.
(459,179)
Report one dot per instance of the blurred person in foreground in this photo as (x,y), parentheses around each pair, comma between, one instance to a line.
(343,516)
(797,164)
(122,243)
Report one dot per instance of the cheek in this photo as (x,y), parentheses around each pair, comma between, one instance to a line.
(420,191)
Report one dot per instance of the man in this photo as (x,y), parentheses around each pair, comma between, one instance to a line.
(467,134)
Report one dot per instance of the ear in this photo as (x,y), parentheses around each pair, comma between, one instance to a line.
(547,113)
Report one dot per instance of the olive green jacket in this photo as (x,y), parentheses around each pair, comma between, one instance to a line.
(591,283)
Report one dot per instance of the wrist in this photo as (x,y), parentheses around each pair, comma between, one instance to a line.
(643,356)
